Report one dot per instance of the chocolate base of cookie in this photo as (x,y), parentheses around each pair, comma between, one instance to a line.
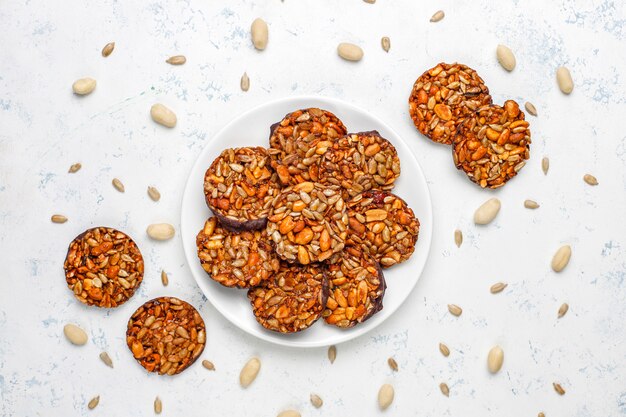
(237,226)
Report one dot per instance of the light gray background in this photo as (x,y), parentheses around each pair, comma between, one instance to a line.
(44,128)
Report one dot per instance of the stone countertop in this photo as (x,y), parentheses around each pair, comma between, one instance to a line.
(45,129)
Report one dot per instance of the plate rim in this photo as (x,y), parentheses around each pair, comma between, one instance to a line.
(345,336)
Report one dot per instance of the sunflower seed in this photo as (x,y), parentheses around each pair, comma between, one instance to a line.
(316,400)
(349,51)
(164,278)
(563,309)
(385,42)
(208,365)
(154,194)
(498,287)
(505,57)
(245,82)
(108,48)
(445,351)
(564,79)
(545,165)
(84,86)
(332,354)
(158,405)
(530,204)
(259,33)
(162,115)
(561,258)
(176,60)
(118,185)
(161,231)
(590,179)
(530,108)
(75,168)
(558,388)
(58,218)
(458,238)
(455,310)
(93,403)
(249,372)
(444,389)
(104,357)
(495,359)
(385,396)
(437,16)
(392,364)
(487,211)
(75,334)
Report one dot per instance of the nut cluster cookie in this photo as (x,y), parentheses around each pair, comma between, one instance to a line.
(239,187)
(357,286)
(451,104)
(493,144)
(443,96)
(166,335)
(297,141)
(240,260)
(360,162)
(292,300)
(383,225)
(103,267)
(308,223)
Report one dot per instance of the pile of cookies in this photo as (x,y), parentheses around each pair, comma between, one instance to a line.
(308,224)
(450,104)
(104,268)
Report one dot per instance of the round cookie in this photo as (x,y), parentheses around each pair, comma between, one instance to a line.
(493,144)
(103,267)
(297,141)
(239,187)
(382,225)
(240,260)
(359,162)
(308,223)
(292,300)
(166,335)
(357,287)
(443,96)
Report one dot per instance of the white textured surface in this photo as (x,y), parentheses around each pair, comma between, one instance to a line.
(44,129)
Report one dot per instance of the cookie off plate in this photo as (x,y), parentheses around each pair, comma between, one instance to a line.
(252,128)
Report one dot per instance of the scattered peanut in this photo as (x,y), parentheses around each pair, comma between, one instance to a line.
(561,258)
(249,372)
(162,115)
(161,231)
(208,365)
(75,334)
(289,413)
(437,16)
(564,79)
(349,51)
(84,86)
(385,396)
(259,33)
(487,211)
(505,57)
(495,359)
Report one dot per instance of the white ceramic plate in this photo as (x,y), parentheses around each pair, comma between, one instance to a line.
(252,129)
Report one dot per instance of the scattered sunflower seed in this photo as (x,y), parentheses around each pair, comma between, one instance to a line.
(75,168)
(590,179)
(176,60)
(545,165)
(558,388)
(437,16)
(108,48)
(445,351)
(93,403)
(245,82)
(164,279)
(392,364)
(118,185)
(530,204)
(563,309)
(458,238)
(530,108)
(444,389)
(332,353)
(316,400)
(106,359)
(385,42)
(455,310)
(498,287)
(208,365)
(58,218)
(158,405)
(154,194)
